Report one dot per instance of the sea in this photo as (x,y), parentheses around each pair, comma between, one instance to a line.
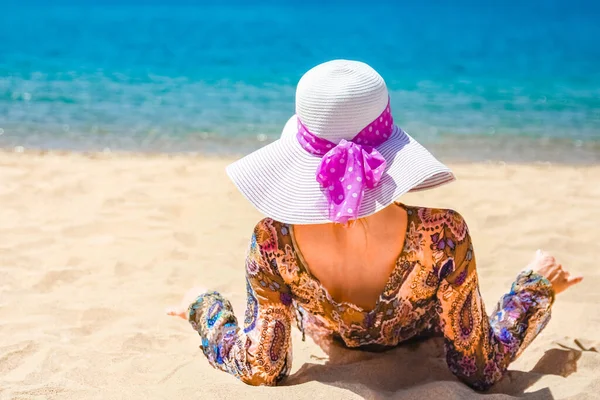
(472,80)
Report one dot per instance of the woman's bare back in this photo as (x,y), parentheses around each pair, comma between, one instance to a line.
(354,263)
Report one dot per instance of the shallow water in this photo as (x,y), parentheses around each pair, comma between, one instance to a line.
(473,81)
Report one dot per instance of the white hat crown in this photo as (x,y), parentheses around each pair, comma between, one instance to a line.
(337,99)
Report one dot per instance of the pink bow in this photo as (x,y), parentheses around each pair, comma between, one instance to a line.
(350,166)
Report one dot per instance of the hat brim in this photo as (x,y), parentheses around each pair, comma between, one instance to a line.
(280,178)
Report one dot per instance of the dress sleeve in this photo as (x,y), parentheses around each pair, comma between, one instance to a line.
(260,353)
(480,348)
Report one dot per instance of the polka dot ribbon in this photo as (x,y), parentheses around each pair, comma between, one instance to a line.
(347,168)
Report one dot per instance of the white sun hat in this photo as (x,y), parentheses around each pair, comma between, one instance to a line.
(340,157)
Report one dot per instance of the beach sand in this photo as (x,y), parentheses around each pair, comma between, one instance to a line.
(94,247)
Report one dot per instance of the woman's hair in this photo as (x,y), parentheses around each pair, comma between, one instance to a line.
(361,221)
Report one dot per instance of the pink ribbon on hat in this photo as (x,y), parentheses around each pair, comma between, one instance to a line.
(348,167)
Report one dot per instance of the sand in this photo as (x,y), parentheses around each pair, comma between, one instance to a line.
(93,248)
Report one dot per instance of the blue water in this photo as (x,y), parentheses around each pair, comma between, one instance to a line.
(216,76)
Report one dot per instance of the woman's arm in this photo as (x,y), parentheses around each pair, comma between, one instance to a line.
(480,348)
(260,352)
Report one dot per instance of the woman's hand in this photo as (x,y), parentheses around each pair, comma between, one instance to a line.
(546,265)
(181,310)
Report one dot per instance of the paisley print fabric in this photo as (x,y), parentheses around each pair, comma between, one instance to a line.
(260,353)
(433,288)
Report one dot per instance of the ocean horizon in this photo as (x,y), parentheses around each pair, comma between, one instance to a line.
(472,81)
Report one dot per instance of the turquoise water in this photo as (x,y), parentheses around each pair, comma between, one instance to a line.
(468,78)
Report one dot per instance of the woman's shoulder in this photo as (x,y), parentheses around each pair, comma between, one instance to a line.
(432,213)
(272,242)
(271,235)
(271,227)
(438,219)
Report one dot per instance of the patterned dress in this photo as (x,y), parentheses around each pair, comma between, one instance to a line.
(433,288)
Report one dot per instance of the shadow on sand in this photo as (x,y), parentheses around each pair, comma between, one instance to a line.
(418,370)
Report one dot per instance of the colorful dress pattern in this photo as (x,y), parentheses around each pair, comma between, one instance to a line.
(432,289)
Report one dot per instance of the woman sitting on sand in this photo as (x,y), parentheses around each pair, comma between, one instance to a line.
(337,254)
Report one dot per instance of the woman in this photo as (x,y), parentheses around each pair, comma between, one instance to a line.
(337,254)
